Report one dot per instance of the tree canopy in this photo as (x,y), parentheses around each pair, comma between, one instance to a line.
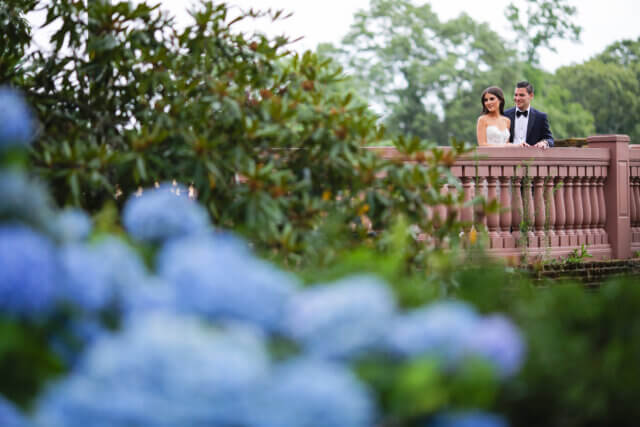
(264,136)
(426,75)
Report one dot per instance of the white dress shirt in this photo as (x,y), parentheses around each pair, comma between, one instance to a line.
(520,127)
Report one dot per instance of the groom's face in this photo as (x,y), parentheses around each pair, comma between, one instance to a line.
(522,98)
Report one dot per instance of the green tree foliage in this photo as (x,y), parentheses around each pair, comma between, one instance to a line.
(267,138)
(427,75)
(543,22)
(608,91)
(417,67)
(623,52)
(569,118)
(14,37)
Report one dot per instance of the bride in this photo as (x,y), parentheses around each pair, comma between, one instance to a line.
(493,128)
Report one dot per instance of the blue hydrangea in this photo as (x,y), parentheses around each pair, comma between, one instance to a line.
(309,393)
(29,271)
(73,225)
(440,330)
(219,278)
(17,123)
(468,419)
(150,294)
(25,200)
(79,332)
(497,339)
(164,213)
(9,415)
(161,370)
(99,274)
(341,319)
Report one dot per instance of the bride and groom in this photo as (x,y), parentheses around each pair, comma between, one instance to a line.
(520,126)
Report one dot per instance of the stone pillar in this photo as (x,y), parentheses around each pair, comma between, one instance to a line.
(616,192)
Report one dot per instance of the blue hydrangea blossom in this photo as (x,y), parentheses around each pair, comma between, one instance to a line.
(219,278)
(161,370)
(25,200)
(440,330)
(341,319)
(163,213)
(73,225)
(309,393)
(29,271)
(17,123)
(496,339)
(9,415)
(99,274)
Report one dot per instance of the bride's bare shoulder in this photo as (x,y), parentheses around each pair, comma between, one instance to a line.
(482,119)
(506,120)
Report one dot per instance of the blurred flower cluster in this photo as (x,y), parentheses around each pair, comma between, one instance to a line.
(201,331)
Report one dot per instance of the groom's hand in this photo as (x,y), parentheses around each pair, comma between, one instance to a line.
(542,144)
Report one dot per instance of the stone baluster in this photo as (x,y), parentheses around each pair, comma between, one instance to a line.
(479,215)
(635,208)
(577,210)
(452,209)
(595,209)
(633,212)
(636,199)
(539,209)
(561,217)
(570,212)
(469,193)
(549,201)
(517,210)
(632,201)
(528,212)
(636,188)
(440,210)
(602,209)
(506,213)
(586,208)
(493,219)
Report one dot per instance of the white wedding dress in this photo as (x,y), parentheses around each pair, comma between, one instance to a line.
(497,137)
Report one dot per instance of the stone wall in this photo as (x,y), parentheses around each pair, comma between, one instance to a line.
(591,273)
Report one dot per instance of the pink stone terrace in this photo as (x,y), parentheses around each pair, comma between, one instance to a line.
(580,196)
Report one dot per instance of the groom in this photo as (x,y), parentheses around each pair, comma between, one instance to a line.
(529,127)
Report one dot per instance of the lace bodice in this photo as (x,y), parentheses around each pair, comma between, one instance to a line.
(496,136)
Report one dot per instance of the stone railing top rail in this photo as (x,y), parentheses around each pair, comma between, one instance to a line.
(515,156)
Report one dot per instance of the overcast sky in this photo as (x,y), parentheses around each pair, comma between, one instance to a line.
(318,21)
(603,21)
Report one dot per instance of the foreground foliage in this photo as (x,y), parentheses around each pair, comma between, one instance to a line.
(263,136)
(175,323)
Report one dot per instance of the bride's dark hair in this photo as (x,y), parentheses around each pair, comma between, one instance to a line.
(494,90)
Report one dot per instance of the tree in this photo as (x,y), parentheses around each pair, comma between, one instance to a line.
(569,119)
(14,37)
(417,67)
(543,22)
(608,91)
(266,138)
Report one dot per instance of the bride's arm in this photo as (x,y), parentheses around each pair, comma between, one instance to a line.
(481,132)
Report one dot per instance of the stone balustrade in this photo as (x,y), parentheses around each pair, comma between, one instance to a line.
(556,200)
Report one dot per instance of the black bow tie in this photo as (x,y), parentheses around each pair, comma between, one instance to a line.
(522,113)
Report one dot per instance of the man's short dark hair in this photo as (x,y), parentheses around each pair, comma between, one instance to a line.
(525,84)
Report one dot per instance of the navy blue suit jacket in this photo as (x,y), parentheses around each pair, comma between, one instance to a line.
(537,127)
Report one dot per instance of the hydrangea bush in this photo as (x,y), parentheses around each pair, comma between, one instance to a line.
(203,332)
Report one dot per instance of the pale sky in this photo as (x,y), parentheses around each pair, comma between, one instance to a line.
(603,21)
